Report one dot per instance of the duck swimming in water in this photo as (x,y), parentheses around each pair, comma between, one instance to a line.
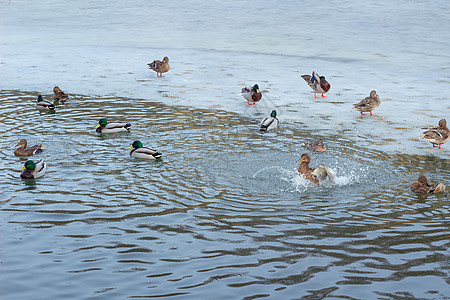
(33,170)
(314,175)
(437,135)
(270,123)
(114,127)
(318,83)
(369,103)
(160,66)
(251,94)
(59,95)
(422,186)
(316,146)
(24,151)
(44,106)
(143,152)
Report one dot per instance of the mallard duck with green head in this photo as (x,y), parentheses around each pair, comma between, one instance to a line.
(315,175)
(270,123)
(437,135)
(143,152)
(318,83)
(369,103)
(113,127)
(423,187)
(59,94)
(160,66)
(32,170)
(23,150)
(251,94)
(44,106)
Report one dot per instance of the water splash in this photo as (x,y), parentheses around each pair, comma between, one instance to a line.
(345,175)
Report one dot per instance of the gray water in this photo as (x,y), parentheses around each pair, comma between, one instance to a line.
(224,211)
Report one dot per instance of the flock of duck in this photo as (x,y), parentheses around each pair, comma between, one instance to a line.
(436,135)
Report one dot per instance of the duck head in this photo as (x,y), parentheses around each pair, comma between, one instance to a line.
(136,145)
(56,90)
(29,165)
(305,157)
(102,123)
(422,179)
(22,142)
(273,114)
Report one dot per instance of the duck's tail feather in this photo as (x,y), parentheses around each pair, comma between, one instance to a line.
(439,188)
(324,172)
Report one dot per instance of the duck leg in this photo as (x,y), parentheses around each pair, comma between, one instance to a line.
(315,95)
(440,146)
(323,96)
(434,145)
(363,114)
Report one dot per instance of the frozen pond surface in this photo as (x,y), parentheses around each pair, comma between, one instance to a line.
(225,210)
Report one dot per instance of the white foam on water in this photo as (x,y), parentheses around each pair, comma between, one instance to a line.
(344,176)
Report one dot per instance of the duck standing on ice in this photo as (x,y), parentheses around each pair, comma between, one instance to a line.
(369,103)
(318,83)
(251,94)
(437,135)
(160,66)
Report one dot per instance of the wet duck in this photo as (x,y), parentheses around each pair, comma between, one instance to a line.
(270,123)
(422,186)
(44,106)
(143,152)
(369,103)
(24,151)
(437,135)
(33,170)
(251,94)
(160,66)
(316,146)
(314,175)
(318,83)
(59,95)
(114,127)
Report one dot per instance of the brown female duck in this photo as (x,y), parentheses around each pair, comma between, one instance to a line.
(316,146)
(59,95)
(160,66)
(422,186)
(318,83)
(313,175)
(24,151)
(369,103)
(437,135)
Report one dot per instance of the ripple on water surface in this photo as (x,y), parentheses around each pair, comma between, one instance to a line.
(224,209)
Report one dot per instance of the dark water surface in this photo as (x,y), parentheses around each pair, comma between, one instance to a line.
(222,216)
